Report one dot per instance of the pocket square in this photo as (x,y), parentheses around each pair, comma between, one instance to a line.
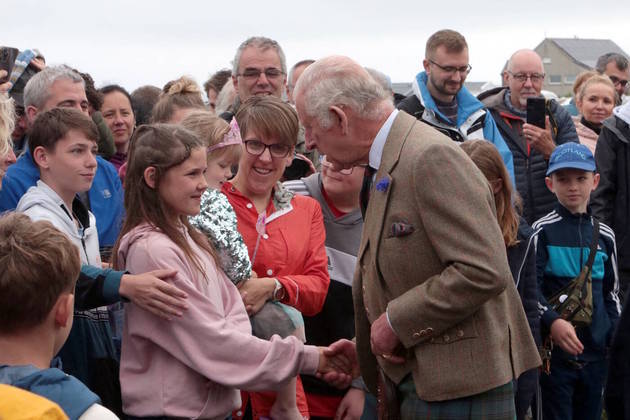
(399,229)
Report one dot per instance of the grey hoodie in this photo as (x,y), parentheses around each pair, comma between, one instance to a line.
(42,203)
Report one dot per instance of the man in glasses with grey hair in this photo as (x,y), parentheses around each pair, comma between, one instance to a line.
(531,145)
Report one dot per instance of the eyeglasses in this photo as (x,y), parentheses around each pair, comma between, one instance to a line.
(257,148)
(534,77)
(324,162)
(271,73)
(452,69)
(617,81)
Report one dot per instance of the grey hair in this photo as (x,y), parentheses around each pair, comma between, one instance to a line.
(300,63)
(225,98)
(7,123)
(37,90)
(620,61)
(262,43)
(340,81)
(381,78)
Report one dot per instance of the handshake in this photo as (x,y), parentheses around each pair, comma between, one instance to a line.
(338,363)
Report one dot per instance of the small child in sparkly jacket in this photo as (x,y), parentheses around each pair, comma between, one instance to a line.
(217,220)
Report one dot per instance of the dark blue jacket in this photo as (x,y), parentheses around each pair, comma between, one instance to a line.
(73,397)
(563,242)
(106,194)
(530,167)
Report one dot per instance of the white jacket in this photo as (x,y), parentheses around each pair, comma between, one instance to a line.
(42,203)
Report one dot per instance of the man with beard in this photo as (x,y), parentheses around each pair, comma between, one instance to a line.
(531,146)
(440,99)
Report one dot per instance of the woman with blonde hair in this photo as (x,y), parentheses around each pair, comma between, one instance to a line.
(517,235)
(595,101)
(178,99)
(7,123)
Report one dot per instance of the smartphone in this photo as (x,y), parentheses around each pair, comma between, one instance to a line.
(7,60)
(536,111)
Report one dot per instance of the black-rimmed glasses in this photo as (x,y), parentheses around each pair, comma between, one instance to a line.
(617,81)
(452,69)
(257,148)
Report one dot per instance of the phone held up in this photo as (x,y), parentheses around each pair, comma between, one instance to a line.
(536,111)
(7,60)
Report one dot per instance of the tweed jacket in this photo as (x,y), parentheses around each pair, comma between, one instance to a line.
(432,254)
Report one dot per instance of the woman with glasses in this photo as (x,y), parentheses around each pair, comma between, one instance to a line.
(595,101)
(284,233)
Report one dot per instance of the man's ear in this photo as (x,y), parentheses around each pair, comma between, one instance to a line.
(64,309)
(504,77)
(150,176)
(31,113)
(549,183)
(341,119)
(40,156)
(426,64)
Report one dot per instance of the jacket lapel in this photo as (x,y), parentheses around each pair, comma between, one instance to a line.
(383,182)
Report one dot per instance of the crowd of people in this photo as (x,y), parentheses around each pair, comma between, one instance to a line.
(306,244)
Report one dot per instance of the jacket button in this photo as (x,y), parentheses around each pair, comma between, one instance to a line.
(416,335)
(429,330)
(460,333)
(447,338)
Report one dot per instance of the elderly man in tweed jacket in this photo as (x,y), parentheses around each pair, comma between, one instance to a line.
(435,305)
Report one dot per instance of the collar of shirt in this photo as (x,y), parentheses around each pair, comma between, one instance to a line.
(376,151)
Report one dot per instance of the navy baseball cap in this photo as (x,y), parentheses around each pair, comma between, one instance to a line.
(571,156)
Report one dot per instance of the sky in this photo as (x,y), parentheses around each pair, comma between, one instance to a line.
(140,42)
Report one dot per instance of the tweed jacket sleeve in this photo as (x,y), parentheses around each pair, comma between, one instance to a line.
(456,211)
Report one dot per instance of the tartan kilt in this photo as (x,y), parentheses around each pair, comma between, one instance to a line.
(495,404)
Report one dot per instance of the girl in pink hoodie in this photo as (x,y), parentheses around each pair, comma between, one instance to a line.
(189,366)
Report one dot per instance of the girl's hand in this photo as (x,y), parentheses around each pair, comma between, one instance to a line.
(150,292)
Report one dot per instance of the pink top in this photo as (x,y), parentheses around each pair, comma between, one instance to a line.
(587,136)
(191,366)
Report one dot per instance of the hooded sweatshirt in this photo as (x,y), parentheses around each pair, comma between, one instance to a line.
(42,203)
(473,120)
(191,366)
(76,400)
(89,352)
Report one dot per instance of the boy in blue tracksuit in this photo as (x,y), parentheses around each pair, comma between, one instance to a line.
(573,390)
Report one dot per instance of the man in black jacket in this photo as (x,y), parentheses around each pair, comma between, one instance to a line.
(531,146)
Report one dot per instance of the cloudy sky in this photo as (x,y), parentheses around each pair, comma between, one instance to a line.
(150,42)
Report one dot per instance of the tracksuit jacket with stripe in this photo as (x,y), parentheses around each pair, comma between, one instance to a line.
(563,242)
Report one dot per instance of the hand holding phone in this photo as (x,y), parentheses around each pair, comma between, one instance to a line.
(536,111)
(7,60)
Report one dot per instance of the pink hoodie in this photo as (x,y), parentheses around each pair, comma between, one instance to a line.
(191,366)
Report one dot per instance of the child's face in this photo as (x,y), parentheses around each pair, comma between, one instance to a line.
(219,171)
(573,188)
(182,185)
(70,167)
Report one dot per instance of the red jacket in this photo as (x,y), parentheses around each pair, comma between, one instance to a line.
(292,249)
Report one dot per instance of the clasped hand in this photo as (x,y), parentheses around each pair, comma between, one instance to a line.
(338,363)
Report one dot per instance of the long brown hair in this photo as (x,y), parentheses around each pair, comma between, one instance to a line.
(161,146)
(487,158)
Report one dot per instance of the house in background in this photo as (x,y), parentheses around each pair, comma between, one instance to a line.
(565,58)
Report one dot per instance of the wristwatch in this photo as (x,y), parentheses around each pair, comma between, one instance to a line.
(278,292)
